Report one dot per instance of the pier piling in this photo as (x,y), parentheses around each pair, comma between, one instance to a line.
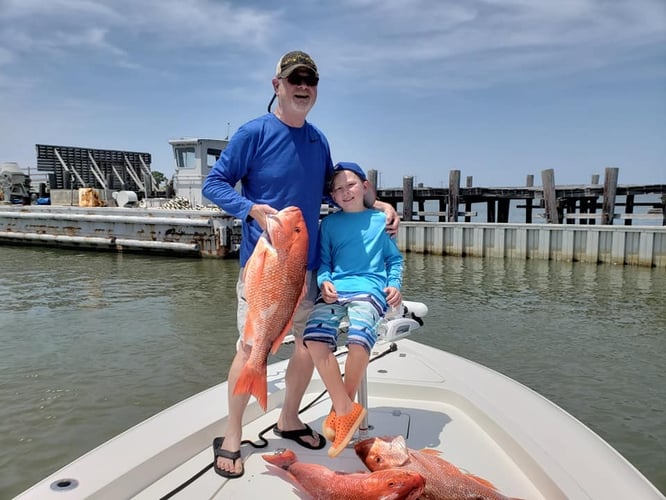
(563,206)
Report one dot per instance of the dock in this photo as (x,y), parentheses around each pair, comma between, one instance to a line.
(100,199)
(592,203)
(578,223)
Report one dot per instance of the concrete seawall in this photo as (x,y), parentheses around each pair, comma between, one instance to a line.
(626,245)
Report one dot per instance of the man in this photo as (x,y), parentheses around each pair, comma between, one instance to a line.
(281,160)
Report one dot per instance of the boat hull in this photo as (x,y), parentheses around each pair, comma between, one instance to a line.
(480,420)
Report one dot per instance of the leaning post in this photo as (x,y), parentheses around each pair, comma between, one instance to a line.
(454,190)
(468,204)
(549,195)
(529,202)
(372,178)
(407,197)
(610,189)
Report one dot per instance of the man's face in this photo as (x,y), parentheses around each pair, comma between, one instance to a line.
(298,92)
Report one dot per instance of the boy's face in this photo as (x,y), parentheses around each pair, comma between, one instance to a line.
(347,190)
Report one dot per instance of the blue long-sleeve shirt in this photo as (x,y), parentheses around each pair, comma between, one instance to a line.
(277,165)
(358,255)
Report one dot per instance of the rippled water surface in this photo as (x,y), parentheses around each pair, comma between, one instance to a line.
(93,343)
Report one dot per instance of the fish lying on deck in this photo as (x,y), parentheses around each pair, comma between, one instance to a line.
(444,481)
(274,286)
(324,484)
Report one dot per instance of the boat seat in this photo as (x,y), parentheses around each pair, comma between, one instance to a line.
(395,325)
(401,321)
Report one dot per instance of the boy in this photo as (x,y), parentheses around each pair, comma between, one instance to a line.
(359,275)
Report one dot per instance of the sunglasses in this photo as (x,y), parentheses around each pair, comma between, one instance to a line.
(309,80)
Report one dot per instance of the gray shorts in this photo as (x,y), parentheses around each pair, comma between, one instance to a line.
(302,313)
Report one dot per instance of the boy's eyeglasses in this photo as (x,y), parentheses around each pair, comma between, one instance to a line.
(309,80)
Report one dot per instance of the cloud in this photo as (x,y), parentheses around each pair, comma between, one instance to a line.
(449,43)
(489,41)
(134,53)
(33,28)
(6,56)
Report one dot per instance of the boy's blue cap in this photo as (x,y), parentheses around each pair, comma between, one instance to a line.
(353,167)
(370,195)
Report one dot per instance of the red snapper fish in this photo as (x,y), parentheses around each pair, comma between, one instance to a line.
(274,278)
(321,483)
(444,481)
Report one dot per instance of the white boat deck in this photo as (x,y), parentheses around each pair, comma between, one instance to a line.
(480,420)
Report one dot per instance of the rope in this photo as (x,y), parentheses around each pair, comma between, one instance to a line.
(264,442)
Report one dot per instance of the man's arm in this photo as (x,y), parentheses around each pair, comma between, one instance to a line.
(392,219)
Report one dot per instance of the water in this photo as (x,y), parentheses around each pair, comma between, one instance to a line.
(93,343)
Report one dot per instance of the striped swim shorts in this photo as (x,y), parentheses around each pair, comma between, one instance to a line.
(363,311)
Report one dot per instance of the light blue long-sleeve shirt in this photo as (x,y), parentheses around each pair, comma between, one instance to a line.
(358,255)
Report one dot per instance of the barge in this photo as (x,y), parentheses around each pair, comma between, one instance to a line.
(196,233)
(104,200)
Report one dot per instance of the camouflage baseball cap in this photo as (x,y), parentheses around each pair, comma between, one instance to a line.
(294,60)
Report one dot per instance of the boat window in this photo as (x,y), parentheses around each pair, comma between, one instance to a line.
(213,156)
(185,157)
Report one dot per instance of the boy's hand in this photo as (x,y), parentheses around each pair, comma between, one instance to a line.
(328,292)
(393,296)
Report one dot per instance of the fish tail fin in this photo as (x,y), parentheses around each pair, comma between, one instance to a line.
(283,458)
(251,381)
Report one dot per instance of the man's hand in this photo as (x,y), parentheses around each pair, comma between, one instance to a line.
(392,219)
(259,213)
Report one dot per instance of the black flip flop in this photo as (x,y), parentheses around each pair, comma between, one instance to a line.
(297,436)
(231,455)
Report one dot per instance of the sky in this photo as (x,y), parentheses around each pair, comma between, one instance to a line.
(497,89)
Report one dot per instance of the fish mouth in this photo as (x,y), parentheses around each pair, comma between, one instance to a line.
(275,231)
(273,223)
(414,493)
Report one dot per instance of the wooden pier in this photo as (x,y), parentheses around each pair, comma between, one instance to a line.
(577,223)
(592,203)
